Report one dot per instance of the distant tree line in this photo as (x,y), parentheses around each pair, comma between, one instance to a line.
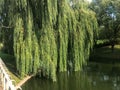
(108,17)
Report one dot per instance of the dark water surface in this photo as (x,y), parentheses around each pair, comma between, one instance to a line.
(94,77)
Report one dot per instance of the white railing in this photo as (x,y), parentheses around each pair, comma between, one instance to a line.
(5,78)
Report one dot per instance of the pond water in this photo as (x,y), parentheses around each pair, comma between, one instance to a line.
(93,77)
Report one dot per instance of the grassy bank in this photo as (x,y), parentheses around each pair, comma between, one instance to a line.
(105,54)
(102,59)
(10,63)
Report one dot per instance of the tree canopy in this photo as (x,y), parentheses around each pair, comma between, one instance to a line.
(47,36)
(108,16)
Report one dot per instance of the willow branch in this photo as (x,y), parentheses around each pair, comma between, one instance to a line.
(2,26)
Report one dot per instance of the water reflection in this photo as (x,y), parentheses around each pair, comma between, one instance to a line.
(89,79)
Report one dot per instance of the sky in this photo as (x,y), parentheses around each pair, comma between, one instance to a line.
(89,0)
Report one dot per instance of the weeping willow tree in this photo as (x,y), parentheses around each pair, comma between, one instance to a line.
(51,36)
(1,7)
(5,28)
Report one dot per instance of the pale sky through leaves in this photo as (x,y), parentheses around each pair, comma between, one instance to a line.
(89,0)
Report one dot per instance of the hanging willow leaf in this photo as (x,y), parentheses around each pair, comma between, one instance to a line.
(51,35)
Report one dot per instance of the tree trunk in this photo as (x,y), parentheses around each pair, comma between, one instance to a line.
(112,47)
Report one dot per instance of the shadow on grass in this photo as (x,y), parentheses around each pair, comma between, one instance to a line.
(9,61)
(105,55)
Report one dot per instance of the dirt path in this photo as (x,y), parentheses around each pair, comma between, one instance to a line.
(23,81)
(0,84)
(1,88)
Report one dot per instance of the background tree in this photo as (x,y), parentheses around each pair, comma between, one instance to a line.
(6,27)
(108,16)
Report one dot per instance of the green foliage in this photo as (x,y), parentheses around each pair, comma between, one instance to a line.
(1,5)
(51,36)
(108,17)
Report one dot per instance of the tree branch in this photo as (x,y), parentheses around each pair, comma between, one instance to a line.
(2,26)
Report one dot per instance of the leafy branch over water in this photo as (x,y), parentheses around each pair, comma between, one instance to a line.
(50,35)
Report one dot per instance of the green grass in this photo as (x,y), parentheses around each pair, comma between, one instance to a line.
(104,60)
(10,63)
(102,41)
(105,54)
(8,60)
(1,46)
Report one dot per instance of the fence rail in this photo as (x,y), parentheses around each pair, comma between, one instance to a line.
(7,82)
